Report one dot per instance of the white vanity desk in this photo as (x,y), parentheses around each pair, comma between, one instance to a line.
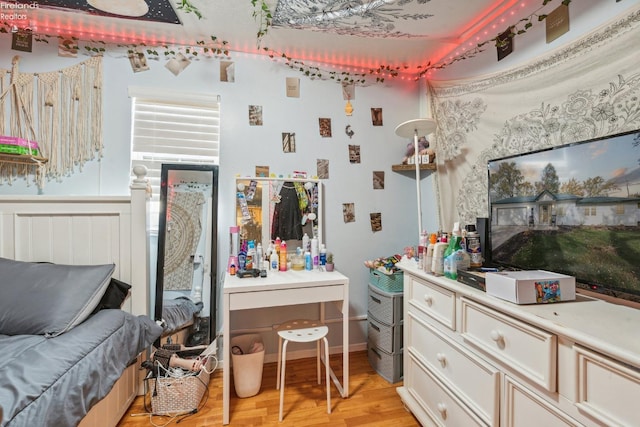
(472,359)
(279,289)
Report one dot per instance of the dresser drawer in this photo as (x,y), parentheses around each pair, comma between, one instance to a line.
(388,338)
(607,391)
(529,351)
(385,306)
(433,300)
(475,381)
(523,408)
(444,408)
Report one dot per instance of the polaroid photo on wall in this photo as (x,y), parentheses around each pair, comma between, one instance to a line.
(376,221)
(325,127)
(138,61)
(255,115)
(349,212)
(293,87)
(322,168)
(288,142)
(378,180)
(354,154)
(376,116)
(178,64)
(227,71)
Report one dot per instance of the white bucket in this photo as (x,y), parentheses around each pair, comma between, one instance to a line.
(247,367)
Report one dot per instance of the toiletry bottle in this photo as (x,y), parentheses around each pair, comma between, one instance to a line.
(242,256)
(422,244)
(278,242)
(274,261)
(323,255)
(259,259)
(473,247)
(308,264)
(306,245)
(282,261)
(429,258)
(251,254)
(437,265)
(450,263)
(315,251)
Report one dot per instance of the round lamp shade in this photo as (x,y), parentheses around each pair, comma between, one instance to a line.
(416,127)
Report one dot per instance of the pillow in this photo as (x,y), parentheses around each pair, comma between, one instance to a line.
(48,299)
(114,297)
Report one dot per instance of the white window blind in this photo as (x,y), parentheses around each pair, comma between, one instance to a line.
(172,128)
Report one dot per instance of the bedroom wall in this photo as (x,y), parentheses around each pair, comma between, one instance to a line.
(260,81)
(584,16)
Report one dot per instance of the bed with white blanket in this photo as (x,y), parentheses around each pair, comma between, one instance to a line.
(71,341)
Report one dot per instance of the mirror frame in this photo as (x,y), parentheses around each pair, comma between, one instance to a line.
(210,262)
(269,180)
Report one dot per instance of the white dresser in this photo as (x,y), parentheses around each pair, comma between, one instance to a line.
(471,359)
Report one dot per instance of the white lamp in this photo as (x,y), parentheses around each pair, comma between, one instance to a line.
(415,128)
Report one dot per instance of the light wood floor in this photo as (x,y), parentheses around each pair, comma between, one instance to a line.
(372,400)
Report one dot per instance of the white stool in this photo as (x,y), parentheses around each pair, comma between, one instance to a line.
(302,331)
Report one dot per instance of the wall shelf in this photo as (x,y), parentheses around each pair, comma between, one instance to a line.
(22,159)
(408,168)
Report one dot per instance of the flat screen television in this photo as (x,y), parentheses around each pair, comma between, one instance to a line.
(572,209)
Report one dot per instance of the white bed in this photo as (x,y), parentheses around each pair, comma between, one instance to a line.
(87,230)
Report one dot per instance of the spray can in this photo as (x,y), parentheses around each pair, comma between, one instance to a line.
(473,247)
(323,255)
(315,251)
(282,261)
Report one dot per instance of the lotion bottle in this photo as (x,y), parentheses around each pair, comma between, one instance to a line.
(274,261)
(428,264)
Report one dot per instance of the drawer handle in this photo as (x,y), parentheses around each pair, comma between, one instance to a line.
(497,337)
(440,357)
(374,326)
(442,408)
(428,299)
(376,300)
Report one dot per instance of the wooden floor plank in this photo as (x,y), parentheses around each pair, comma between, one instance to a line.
(372,402)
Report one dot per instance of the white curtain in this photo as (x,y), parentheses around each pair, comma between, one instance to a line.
(587,90)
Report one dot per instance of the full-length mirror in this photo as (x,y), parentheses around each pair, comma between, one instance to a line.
(285,208)
(187,253)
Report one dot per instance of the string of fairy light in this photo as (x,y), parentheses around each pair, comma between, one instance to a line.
(213,47)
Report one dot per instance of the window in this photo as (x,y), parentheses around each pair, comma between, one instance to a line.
(173,127)
(620,209)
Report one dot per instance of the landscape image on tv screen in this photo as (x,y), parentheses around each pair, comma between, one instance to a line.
(573,209)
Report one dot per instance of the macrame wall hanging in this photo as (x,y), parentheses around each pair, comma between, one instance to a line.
(60,110)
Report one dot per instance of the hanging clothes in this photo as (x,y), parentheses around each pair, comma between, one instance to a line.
(287,217)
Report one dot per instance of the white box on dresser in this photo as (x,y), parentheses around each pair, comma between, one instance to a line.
(473,359)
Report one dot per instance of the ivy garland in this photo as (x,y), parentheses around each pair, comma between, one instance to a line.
(388,70)
(262,13)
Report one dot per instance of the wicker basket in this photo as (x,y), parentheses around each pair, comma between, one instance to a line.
(387,282)
(170,396)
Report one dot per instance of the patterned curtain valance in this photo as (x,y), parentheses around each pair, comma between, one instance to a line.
(587,90)
(60,110)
